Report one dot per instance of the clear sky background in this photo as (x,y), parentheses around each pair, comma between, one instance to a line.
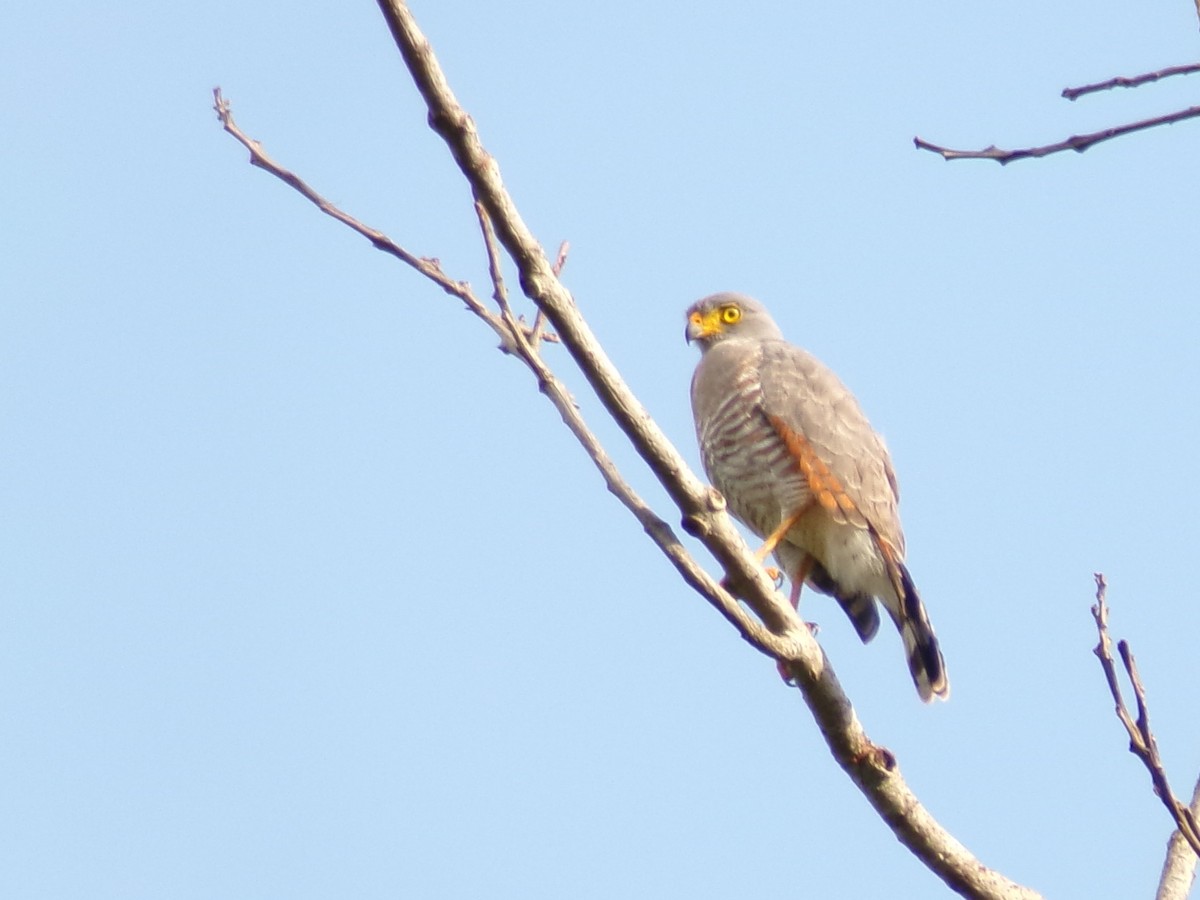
(308,593)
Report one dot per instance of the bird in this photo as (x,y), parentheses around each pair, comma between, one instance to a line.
(787,444)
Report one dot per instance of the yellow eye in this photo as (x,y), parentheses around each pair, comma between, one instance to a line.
(730,314)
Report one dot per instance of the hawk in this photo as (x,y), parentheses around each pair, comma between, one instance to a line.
(799,464)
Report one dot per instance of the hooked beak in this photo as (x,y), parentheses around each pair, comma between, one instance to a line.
(701,326)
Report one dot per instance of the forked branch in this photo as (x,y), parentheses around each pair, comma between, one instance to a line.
(775,629)
(521,341)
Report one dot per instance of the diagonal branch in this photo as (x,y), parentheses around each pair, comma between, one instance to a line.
(658,530)
(872,768)
(1074,93)
(1141,739)
(703,511)
(521,340)
(1078,143)
(430,268)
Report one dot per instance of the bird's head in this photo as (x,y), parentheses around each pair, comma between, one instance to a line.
(729,316)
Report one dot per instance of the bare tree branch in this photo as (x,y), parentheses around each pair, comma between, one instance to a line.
(777,631)
(658,530)
(1078,143)
(703,509)
(1141,739)
(872,768)
(519,341)
(428,267)
(1179,867)
(1081,142)
(1074,93)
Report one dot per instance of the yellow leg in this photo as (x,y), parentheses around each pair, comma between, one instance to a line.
(772,542)
(798,579)
(776,536)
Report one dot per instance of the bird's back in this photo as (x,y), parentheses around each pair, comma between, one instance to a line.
(739,387)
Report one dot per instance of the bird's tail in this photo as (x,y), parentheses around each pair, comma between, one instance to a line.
(920,643)
(861,608)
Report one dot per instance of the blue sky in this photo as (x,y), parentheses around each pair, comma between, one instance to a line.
(308,593)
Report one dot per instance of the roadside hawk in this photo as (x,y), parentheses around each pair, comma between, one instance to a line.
(787,444)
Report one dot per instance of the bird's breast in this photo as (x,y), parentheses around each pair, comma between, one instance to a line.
(743,455)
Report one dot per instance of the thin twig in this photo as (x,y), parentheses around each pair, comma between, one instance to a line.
(561,259)
(539,322)
(495,270)
(1078,143)
(1141,739)
(517,340)
(1074,93)
(430,268)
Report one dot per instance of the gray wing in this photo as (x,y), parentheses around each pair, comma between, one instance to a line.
(803,397)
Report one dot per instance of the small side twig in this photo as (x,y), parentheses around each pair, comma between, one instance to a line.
(1141,739)
(1078,142)
(539,321)
(516,340)
(1074,93)
(495,269)
(561,259)
(428,267)
(538,332)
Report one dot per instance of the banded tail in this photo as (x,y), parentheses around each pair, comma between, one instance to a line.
(920,643)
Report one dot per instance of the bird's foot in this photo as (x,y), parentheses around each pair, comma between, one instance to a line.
(776,575)
(773,573)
